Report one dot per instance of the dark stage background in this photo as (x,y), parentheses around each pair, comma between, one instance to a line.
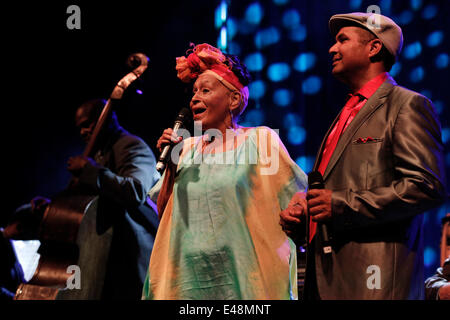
(51,70)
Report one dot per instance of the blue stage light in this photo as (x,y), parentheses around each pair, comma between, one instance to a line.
(445,135)
(435,38)
(298,34)
(413,50)
(232,27)
(220,14)
(430,11)
(417,74)
(292,120)
(306,163)
(312,85)
(304,61)
(282,97)
(246,28)
(234,48)
(439,106)
(296,135)
(280,2)
(278,71)
(254,13)
(396,68)
(254,118)
(291,19)
(427,93)
(442,212)
(256,89)
(385,6)
(429,256)
(416,4)
(266,37)
(426,218)
(222,41)
(255,61)
(355,4)
(442,61)
(405,17)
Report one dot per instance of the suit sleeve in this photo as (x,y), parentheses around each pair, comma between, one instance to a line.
(436,281)
(418,173)
(134,175)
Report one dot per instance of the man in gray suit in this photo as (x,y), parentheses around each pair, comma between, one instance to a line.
(122,172)
(382,166)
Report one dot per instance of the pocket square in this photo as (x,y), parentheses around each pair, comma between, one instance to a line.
(367,140)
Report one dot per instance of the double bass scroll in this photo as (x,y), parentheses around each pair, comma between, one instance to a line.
(140,63)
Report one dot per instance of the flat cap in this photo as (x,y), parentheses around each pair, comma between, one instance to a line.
(381,26)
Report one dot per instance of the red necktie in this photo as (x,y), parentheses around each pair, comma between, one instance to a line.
(331,145)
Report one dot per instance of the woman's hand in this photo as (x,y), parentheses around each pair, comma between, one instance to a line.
(292,217)
(168,137)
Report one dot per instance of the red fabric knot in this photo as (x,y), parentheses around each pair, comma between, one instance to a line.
(194,64)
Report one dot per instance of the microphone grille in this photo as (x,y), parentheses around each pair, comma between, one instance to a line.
(314,177)
(184,115)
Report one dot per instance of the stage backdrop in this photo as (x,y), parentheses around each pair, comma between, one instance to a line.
(285,45)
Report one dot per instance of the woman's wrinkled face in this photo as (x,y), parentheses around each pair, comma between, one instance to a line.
(211,103)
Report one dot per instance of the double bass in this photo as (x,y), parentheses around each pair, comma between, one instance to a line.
(74,249)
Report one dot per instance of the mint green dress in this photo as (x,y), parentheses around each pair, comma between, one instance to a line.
(219,237)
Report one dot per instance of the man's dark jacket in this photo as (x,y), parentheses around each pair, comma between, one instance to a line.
(124,175)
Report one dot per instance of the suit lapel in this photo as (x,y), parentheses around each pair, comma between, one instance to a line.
(372,104)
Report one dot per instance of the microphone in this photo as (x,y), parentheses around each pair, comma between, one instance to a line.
(315,181)
(183,117)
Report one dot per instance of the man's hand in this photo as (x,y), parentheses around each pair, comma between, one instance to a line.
(24,224)
(77,163)
(39,204)
(319,204)
(293,215)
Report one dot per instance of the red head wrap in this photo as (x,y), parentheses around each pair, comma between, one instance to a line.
(206,57)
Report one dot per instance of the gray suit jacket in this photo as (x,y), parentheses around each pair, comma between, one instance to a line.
(380,188)
(125,173)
